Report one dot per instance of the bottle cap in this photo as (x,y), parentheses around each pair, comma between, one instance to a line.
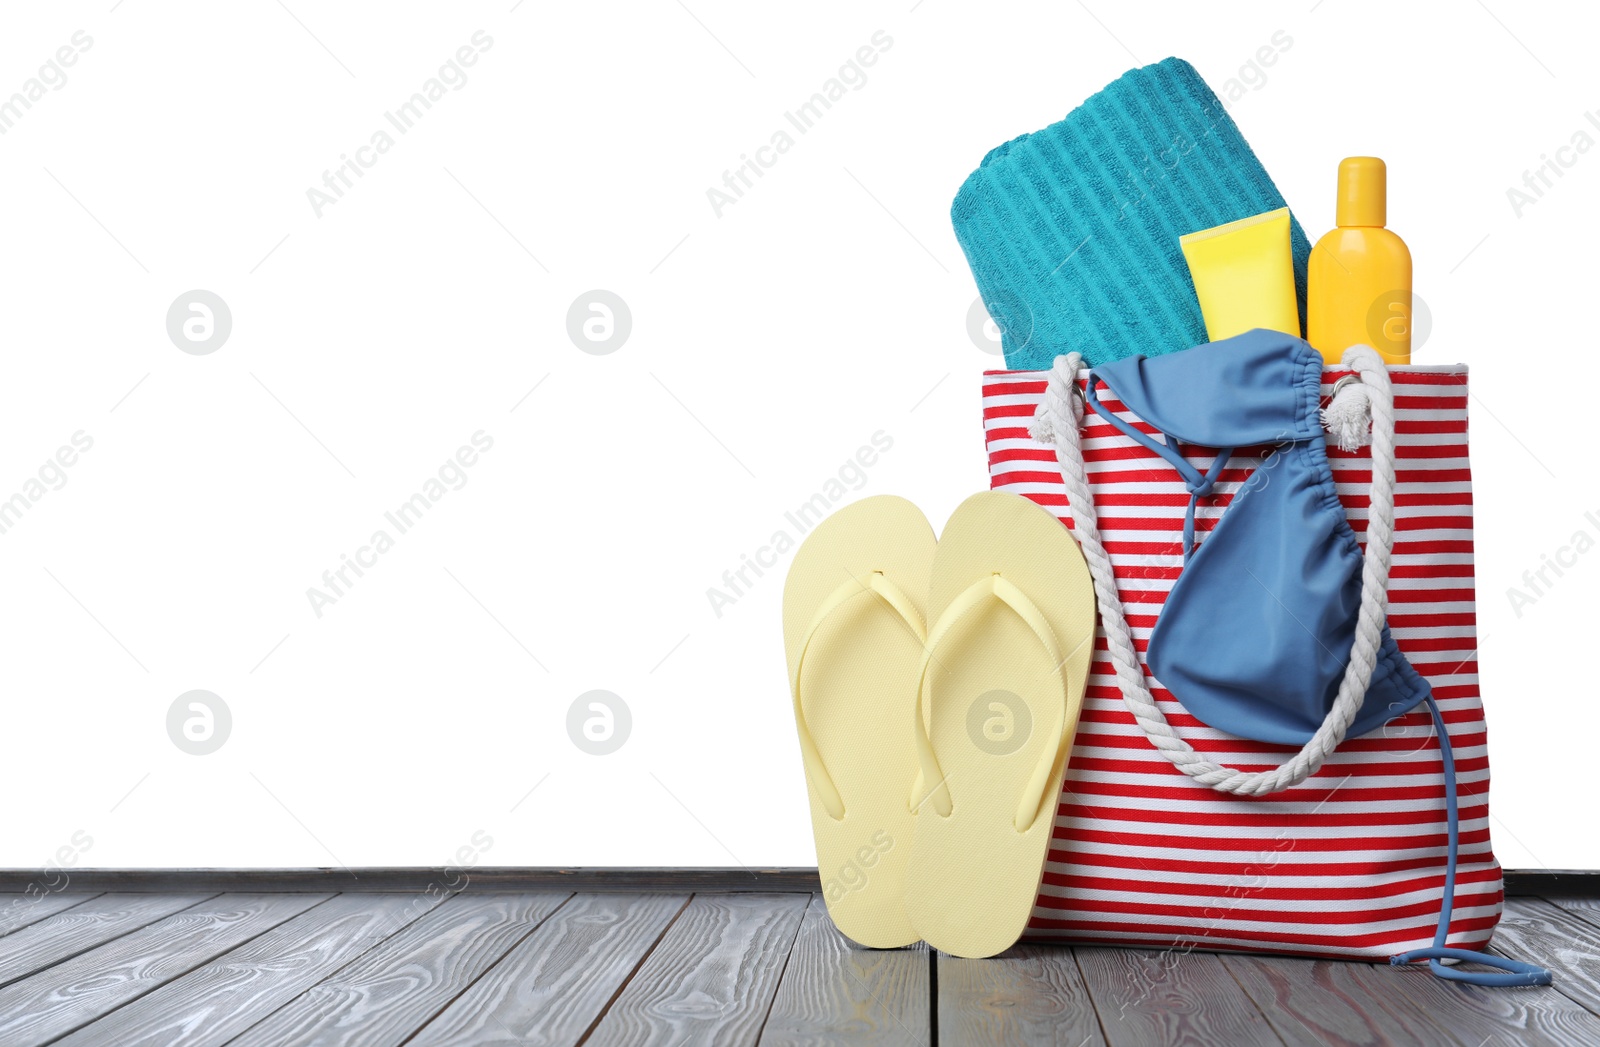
(1363,192)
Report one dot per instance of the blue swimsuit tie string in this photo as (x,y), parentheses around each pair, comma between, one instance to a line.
(1517,972)
(1199,485)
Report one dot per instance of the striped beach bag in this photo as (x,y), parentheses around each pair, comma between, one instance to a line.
(1354,861)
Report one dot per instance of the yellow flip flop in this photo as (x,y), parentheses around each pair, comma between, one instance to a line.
(854,614)
(1001,687)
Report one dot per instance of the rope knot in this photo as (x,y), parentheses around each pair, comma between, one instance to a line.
(1348,416)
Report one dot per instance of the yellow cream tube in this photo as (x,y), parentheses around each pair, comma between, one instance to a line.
(1244,275)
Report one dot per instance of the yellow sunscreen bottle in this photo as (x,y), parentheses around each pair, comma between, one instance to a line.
(1244,275)
(1359,278)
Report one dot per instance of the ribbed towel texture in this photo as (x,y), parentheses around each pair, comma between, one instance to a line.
(1072,231)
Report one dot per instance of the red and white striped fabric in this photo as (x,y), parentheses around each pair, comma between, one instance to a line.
(1351,862)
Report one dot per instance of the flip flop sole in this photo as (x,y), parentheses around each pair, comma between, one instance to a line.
(857,699)
(998,711)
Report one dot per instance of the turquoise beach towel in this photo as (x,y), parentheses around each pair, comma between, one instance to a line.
(1072,231)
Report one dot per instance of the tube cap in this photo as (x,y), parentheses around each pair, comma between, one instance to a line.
(1363,192)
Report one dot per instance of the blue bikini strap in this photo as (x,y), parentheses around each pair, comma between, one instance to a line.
(1517,972)
(1199,484)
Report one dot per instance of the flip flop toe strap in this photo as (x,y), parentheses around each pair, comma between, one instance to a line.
(1042,780)
(877,584)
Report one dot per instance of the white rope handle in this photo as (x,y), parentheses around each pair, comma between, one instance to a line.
(1057,422)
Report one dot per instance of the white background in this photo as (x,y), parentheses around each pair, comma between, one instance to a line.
(767,345)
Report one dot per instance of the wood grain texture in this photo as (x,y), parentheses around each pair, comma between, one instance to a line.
(1472,1016)
(222,998)
(712,978)
(83,927)
(497,968)
(835,992)
(59,999)
(1334,1003)
(19,910)
(1584,908)
(390,991)
(1534,930)
(1028,995)
(1170,997)
(552,987)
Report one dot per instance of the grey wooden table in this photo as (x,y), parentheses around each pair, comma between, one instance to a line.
(490,965)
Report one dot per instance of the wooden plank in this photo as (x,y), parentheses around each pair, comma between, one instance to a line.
(789,879)
(1472,1016)
(221,999)
(1534,930)
(59,999)
(712,978)
(83,927)
(554,985)
(1584,908)
(20,910)
(1339,1003)
(389,992)
(1029,994)
(518,879)
(1546,882)
(835,992)
(1170,997)
(1334,1002)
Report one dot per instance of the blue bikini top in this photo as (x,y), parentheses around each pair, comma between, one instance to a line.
(1254,636)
